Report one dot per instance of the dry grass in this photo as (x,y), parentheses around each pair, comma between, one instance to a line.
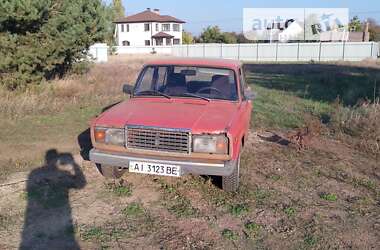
(101,84)
(362,124)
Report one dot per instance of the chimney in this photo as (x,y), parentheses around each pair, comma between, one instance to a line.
(157,11)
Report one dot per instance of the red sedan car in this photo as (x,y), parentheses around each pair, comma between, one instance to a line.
(184,116)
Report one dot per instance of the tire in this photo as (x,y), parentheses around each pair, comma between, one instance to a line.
(231,183)
(110,172)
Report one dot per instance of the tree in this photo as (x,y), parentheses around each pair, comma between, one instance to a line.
(211,35)
(215,35)
(355,24)
(118,8)
(229,37)
(374,30)
(187,38)
(42,39)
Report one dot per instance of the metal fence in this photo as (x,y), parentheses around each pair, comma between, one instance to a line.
(331,51)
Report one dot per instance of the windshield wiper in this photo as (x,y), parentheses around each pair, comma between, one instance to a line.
(147,92)
(196,96)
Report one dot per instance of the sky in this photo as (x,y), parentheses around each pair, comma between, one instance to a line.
(227,14)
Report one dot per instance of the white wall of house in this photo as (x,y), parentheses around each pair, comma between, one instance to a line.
(136,35)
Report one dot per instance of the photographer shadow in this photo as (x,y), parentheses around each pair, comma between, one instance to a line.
(48,220)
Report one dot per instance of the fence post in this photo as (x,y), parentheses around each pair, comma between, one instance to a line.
(257,52)
(221,50)
(372,49)
(320,50)
(187,53)
(344,49)
(277,51)
(204,50)
(298,51)
(239,51)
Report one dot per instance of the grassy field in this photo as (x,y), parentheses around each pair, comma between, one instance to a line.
(321,197)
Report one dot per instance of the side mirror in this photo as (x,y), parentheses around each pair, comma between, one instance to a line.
(249,94)
(127,89)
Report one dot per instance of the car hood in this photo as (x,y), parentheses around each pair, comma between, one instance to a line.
(196,115)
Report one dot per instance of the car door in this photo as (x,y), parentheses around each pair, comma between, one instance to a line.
(246,104)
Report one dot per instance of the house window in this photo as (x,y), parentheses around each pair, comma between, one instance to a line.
(126,43)
(166,27)
(168,41)
(176,41)
(157,28)
(122,27)
(127,25)
(147,42)
(176,27)
(146,27)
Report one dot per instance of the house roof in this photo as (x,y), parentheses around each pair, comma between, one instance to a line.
(148,16)
(162,34)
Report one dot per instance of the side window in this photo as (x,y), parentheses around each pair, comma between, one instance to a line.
(146,80)
(243,86)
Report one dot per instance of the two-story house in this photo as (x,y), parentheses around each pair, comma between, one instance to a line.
(148,28)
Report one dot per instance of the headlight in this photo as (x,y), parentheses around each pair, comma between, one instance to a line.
(112,136)
(213,144)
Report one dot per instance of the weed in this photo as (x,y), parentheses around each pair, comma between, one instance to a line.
(229,234)
(368,184)
(310,240)
(252,228)
(176,203)
(275,177)
(328,196)
(290,211)
(97,233)
(261,195)
(133,210)
(120,189)
(239,209)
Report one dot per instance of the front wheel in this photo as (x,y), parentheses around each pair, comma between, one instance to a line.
(231,183)
(110,172)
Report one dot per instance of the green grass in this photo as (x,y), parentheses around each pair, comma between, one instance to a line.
(239,209)
(310,240)
(290,211)
(133,210)
(252,229)
(120,190)
(328,197)
(261,196)
(97,233)
(176,203)
(229,234)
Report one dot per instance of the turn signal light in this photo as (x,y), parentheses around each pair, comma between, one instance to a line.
(100,135)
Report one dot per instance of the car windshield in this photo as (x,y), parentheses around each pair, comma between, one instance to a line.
(187,81)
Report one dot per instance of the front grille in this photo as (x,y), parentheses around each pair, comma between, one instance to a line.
(158,139)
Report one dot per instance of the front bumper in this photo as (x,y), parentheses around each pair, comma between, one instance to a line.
(199,168)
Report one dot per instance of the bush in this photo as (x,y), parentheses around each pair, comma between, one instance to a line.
(42,39)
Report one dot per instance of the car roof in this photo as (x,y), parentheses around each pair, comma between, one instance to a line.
(223,63)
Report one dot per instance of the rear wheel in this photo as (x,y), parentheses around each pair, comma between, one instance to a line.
(110,172)
(231,183)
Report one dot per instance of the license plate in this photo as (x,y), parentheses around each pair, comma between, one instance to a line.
(154,168)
